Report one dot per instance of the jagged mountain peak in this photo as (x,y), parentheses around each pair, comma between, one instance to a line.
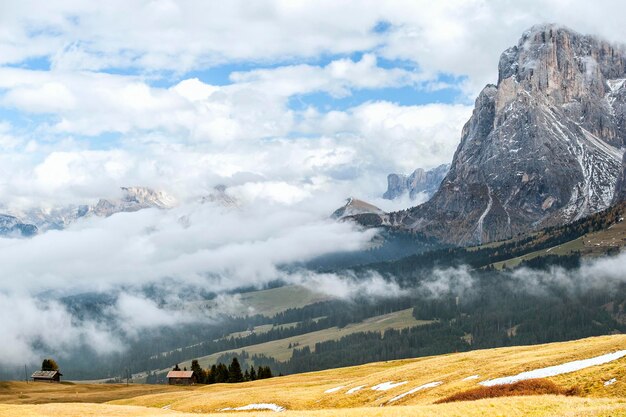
(35,220)
(221,197)
(543,146)
(148,196)
(134,199)
(421,181)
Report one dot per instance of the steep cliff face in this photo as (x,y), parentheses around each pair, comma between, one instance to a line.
(543,146)
(620,190)
(420,182)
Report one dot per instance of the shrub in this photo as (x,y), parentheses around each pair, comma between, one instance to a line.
(527,387)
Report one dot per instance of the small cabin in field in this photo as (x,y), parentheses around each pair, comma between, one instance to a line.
(181,378)
(46,376)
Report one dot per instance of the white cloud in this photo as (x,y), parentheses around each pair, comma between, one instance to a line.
(338,78)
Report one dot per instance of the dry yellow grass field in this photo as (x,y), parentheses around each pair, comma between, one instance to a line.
(40,393)
(305,394)
(545,406)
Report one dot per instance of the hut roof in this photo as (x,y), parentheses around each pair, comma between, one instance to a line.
(45,374)
(180,374)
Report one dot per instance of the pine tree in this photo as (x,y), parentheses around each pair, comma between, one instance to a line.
(253,375)
(176,368)
(211,374)
(198,371)
(222,374)
(234,371)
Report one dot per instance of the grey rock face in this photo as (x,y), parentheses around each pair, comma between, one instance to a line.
(543,146)
(419,181)
(620,190)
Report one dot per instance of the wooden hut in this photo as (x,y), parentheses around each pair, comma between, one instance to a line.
(181,378)
(46,376)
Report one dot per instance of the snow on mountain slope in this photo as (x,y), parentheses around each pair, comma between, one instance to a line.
(543,147)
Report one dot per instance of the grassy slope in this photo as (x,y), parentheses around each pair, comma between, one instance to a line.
(306,391)
(271,301)
(280,350)
(41,393)
(592,244)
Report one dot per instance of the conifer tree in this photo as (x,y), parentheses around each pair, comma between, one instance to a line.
(211,374)
(234,372)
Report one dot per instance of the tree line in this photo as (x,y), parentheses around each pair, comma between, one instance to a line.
(221,373)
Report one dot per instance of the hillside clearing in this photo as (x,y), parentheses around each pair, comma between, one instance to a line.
(280,350)
(271,301)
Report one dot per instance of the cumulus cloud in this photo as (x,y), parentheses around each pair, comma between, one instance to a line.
(459,37)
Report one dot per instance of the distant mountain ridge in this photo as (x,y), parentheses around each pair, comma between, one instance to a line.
(33,221)
(420,181)
(543,147)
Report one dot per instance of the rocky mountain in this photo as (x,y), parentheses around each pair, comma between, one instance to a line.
(356,207)
(419,182)
(620,190)
(134,199)
(543,146)
(12,226)
(220,197)
(30,222)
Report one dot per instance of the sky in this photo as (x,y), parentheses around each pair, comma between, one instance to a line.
(294,106)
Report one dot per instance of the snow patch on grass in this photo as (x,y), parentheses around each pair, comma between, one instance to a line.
(414,390)
(469,378)
(387,385)
(330,391)
(262,406)
(610,382)
(557,369)
(355,389)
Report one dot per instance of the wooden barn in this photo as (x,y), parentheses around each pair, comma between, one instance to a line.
(181,378)
(46,376)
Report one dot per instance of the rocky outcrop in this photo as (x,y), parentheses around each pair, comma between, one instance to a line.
(134,199)
(420,182)
(220,197)
(355,207)
(543,146)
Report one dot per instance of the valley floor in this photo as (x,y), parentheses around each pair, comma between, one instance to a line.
(394,388)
